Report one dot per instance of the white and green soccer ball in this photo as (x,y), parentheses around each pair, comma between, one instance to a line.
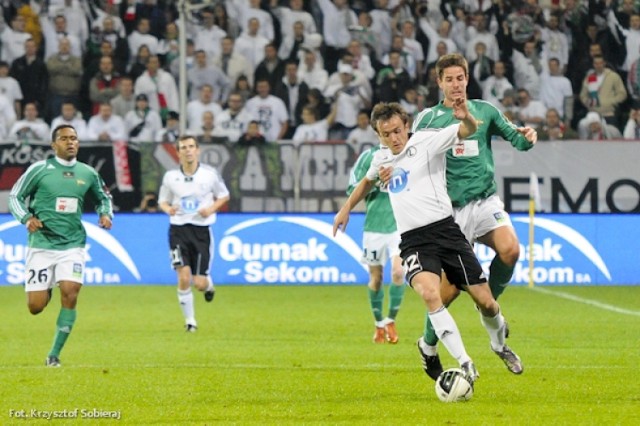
(453,386)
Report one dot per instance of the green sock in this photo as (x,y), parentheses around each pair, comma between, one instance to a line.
(376,298)
(499,276)
(66,318)
(396,293)
(430,337)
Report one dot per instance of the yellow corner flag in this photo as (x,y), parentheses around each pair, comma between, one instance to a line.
(534,201)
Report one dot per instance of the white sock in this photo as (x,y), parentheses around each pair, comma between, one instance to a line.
(185,298)
(448,333)
(428,349)
(210,286)
(495,328)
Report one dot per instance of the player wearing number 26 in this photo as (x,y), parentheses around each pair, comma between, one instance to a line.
(49,199)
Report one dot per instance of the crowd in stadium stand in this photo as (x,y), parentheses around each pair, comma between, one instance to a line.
(310,70)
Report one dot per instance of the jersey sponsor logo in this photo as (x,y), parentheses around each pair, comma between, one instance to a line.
(66,205)
(189,204)
(499,217)
(399,180)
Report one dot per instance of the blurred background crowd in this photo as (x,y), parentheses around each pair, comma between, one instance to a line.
(261,71)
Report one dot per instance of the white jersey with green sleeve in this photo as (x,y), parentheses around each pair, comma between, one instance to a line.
(379,214)
(54,191)
(470,166)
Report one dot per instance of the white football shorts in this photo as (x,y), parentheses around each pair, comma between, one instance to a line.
(377,248)
(44,268)
(480,217)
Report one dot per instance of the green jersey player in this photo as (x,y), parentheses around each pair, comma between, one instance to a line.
(471,184)
(380,241)
(49,199)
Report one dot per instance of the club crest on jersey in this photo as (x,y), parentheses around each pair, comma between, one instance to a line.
(80,182)
(411,151)
(399,180)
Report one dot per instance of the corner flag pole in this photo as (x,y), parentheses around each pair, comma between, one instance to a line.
(534,198)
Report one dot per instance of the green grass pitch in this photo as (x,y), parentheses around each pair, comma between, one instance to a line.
(303,355)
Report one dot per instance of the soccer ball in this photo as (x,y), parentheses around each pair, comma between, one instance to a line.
(453,386)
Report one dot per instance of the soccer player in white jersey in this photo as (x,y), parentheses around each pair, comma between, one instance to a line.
(431,241)
(191,196)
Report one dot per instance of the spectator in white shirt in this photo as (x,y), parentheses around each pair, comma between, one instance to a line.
(313,129)
(251,45)
(532,113)
(7,116)
(54,32)
(31,127)
(70,115)
(311,73)
(269,111)
(196,107)
(142,123)
(363,135)
(141,36)
(557,92)
(337,17)
(13,39)
(292,14)
(233,121)
(496,85)
(232,63)
(361,61)
(413,46)
(209,36)
(443,34)
(106,126)
(10,88)
(251,9)
(350,98)
(159,86)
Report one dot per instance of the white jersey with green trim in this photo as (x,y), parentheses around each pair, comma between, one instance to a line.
(192,193)
(418,189)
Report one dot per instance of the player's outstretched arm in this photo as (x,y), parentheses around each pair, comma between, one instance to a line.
(341,219)
(468,123)
(529,133)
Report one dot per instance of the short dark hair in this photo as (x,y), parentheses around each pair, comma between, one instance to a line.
(384,111)
(451,60)
(184,138)
(54,134)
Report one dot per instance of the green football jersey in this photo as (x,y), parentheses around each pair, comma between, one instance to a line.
(379,215)
(470,166)
(56,195)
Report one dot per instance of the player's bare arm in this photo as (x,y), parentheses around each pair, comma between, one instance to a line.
(468,123)
(342,217)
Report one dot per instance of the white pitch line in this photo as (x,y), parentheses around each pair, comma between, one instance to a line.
(595,303)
